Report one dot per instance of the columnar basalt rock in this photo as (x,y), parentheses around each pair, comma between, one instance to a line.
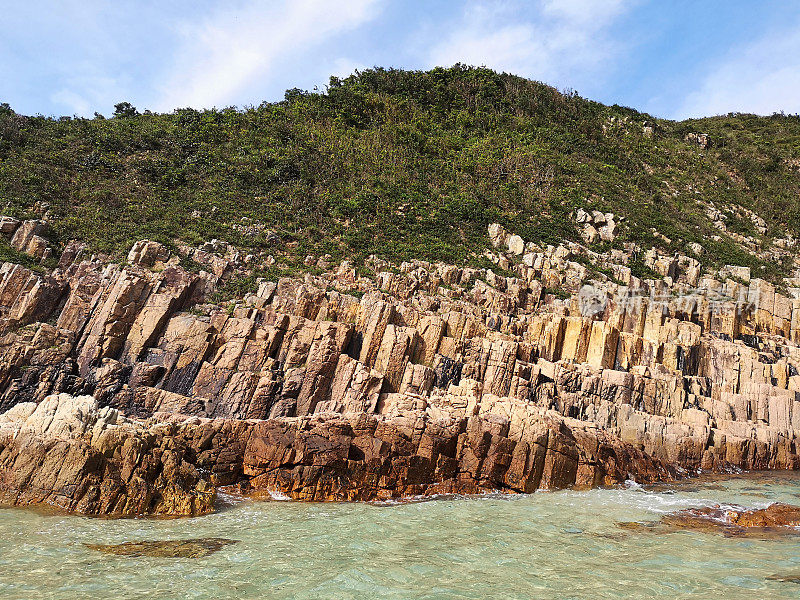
(437,378)
(27,237)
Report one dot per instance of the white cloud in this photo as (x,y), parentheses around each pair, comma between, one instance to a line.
(511,48)
(556,40)
(88,88)
(230,49)
(343,67)
(79,105)
(597,12)
(762,78)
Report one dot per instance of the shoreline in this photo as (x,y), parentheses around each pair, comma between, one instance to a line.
(110,466)
(227,498)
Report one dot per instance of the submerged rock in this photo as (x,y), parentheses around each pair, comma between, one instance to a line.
(775,521)
(194,548)
(785,577)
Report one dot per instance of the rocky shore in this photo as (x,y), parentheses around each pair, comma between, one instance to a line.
(124,391)
(68,453)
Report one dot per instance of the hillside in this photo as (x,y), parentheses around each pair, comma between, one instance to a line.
(414,284)
(407,165)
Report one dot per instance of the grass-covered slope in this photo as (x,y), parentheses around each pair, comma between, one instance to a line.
(401,164)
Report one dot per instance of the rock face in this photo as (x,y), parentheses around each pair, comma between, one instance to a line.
(422,452)
(68,452)
(437,378)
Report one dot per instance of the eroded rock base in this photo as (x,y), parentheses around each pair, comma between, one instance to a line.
(69,453)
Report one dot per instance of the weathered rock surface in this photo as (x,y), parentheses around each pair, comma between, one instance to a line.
(68,453)
(72,454)
(438,378)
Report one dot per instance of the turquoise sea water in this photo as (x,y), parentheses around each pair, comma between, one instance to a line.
(547,545)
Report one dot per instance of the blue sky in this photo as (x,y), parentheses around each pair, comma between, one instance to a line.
(673,59)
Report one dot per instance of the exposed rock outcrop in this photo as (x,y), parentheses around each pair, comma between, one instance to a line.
(68,452)
(437,378)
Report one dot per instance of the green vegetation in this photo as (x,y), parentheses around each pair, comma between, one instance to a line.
(559,293)
(9,254)
(641,270)
(403,164)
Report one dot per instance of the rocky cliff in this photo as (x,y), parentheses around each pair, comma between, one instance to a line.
(126,392)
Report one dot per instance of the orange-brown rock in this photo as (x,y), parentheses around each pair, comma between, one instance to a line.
(364,457)
(776,520)
(69,453)
(775,515)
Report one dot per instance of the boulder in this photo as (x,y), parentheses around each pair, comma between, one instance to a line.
(8,225)
(516,245)
(497,235)
(146,253)
(589,234)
